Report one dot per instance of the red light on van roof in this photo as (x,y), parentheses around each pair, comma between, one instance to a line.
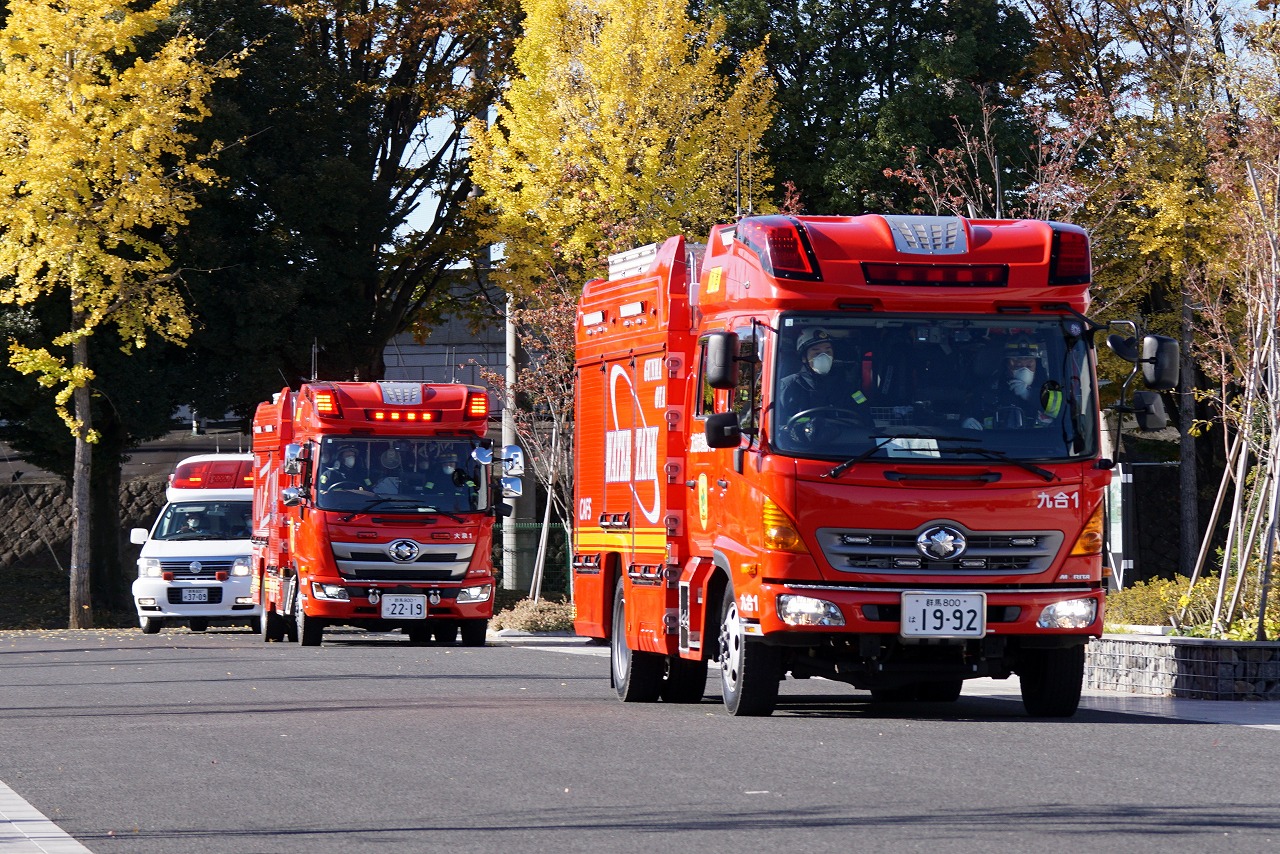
(213,474)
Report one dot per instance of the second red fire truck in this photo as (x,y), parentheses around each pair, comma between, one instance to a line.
(373,506)
(862,448)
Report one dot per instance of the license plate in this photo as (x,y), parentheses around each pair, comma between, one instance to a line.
(944,615)
(401,606)
(195,594)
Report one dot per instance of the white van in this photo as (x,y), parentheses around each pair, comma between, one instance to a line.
(195,561)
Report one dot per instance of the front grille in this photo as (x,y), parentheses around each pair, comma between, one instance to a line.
(208,569)
(175,596)
(895,552)
(372,562)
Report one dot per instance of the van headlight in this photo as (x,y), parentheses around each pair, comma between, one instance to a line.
(1071,614)
(149,568)
(479,593)
(808,611)
(240,566)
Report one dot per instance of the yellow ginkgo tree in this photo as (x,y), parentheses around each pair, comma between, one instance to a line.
(94,175)
(621,127)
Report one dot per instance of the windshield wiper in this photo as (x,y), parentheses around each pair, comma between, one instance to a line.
(416,509)
(1003,456)
(867,454)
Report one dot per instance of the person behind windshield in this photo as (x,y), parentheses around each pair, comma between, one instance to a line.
(816,384)
(194,524)
(392,473)
(346,472)
(1020,394)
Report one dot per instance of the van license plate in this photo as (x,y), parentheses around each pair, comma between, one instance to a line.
(944,615)
(403,606)
(195,594)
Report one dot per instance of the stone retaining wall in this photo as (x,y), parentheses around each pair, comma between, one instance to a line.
(35,519)
(1194,668)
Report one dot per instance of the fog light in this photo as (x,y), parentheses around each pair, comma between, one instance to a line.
(244,600)
(332,592)
(807,611)
(1071,614)
(479,593)
(147,602)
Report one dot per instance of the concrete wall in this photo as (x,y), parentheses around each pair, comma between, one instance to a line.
(1194,668)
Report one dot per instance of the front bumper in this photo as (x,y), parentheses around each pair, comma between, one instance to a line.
(364,600)
(230,599)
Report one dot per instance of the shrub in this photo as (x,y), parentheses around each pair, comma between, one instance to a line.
(1158,601)
(527,615)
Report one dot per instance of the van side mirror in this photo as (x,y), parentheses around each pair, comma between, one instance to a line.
(721,367)
(138,536)
(1159,362)
(723,430)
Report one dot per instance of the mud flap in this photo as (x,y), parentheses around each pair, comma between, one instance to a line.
(693,604)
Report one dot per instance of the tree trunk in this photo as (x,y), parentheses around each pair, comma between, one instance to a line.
(81,606)
(109,580)
(1188,482)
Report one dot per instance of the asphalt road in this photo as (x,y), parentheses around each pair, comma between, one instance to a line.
(216,742)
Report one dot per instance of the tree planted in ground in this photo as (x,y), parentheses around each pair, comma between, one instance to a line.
(94,160)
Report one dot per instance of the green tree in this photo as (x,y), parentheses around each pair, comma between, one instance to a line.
(857,84)
(618,129)
(93,147)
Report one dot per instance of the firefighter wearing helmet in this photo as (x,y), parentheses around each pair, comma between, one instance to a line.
(1021,393)
(819,384)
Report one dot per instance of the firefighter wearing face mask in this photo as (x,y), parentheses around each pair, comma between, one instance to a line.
(1020,394)
(819,383)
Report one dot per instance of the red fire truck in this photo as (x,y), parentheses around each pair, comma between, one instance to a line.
(373,506)
(862,448)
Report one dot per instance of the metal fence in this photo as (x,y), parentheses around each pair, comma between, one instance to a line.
(556,572)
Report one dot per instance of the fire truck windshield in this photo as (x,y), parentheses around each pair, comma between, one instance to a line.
(932,388)
(402,474)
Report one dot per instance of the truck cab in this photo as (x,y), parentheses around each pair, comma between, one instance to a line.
(195,559)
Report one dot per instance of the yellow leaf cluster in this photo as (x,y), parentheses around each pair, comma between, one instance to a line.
(94,166)
(619,129)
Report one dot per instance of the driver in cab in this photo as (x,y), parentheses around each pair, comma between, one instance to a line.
(817,388)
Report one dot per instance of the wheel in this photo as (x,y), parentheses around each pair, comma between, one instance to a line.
(1051,681)
(271,625)
(749,669)
(255,625)
(686,680)
(445,631)
(474,632)
(151,625)
(637,676)
(199,625)
(309,631)
(419,634)
(817,424)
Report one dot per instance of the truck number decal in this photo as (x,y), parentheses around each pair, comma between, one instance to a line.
(1060,501)
(748,603)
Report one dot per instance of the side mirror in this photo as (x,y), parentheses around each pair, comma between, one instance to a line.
(1159,362)
(138,536)
(1125,348)
(291,496)
(512,461)
(293,459)
(1148,409)
(723,430)
(512,487)
(504,510)
(482,455)
(721,368)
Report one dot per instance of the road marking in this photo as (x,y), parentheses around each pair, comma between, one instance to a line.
(24,830)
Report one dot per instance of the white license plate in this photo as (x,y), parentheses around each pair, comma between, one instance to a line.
(402,606)
(195,594)
(944,615)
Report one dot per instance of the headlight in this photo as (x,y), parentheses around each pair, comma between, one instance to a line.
(1071,614)
(149,568)
(240,566)
(333,592)
(807,611)
(479,593)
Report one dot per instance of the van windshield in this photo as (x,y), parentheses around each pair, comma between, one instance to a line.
(407,474)
(205,520)
(933,388)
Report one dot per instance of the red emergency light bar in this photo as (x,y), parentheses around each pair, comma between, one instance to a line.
(327,404)
(477,406)
(213,474)
(413,415)
(938,275)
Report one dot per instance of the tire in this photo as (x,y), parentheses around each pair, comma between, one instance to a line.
(271,625)
(151,625)
(749,669)
(1051,681)
(636,676)
(419,634)
(199,625)
(686,680)
(255,625)
(474,632)
(308,630)
(445,631)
